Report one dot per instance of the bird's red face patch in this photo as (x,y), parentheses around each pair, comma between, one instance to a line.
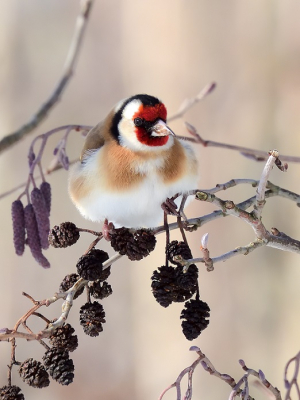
(151,114)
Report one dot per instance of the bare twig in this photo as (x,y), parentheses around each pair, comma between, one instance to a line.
(49,171)
(257,155)
(274,239)
(68,70)
(293,382)
(197,222)
(12,359)
(261,376)
(30,331)
(284,243)
(189,103)
(35,160)
(210,262)
(261,189)
(207,365)
(9,334)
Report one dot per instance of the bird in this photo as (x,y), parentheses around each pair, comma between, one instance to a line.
(131,162)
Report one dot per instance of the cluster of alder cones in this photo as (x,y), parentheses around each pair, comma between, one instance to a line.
(170,283)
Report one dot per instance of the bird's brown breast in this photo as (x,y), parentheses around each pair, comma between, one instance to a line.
(123,169)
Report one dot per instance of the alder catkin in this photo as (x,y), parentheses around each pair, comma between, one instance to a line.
(42,216)
(18,219)
(45,189)
(33,239)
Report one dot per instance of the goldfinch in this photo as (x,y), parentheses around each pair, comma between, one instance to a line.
(130,164)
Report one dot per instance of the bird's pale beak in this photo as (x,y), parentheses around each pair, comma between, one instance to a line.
(160,128)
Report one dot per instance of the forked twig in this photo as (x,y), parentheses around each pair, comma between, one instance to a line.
(237,387)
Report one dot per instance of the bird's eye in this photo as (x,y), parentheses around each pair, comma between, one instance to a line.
(138,121)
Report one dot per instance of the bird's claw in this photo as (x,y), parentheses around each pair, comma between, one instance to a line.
(189,227)
(170,207)
(107,228)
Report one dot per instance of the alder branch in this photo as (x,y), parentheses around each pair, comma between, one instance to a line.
(60,156)
(207,365)
(209,262)
(257,155)
(81,22)
(60,160)
(37,178)
(274,239)
(293,382)
(229,208)
(197,222)
(261,189)
(68,296)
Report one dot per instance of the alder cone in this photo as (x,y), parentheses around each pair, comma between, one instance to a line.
(59,365)
(195,316)
(11,393)
(34,374)
(68,282)
(135,245)
(169,285)
(63,337)
(92,316)
(90,266)
(64,235)
(176,248)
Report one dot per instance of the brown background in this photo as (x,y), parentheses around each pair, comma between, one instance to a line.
(169,49)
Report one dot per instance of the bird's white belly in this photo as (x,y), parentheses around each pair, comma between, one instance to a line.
(139,207)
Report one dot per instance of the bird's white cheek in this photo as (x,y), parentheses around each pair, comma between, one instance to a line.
(127,134)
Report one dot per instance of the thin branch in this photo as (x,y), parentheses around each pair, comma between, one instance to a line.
(68,297)
(210,262)
(274,239)
(261,376)
(282,241)
(30,331)
(49,171)
(68,70)
(229,208)
(209,367)
(166,390)
(261,189)
(189,103)
(257,155)
(293,382)
(12,360)
(197,222)
(35,160)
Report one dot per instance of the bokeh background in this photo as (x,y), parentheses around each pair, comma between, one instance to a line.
(170,49)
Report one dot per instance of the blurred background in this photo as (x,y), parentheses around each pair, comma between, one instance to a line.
(170,49)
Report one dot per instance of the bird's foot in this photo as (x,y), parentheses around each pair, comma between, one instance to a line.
(107,228)
(170,207)
(189,227)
